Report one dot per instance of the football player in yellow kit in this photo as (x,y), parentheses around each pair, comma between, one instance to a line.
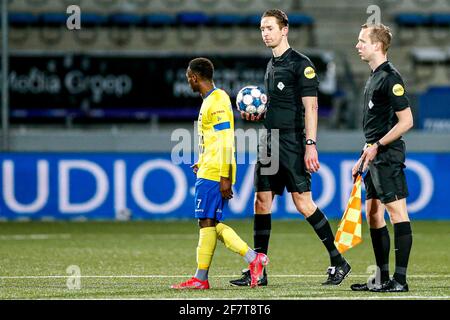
(216,173)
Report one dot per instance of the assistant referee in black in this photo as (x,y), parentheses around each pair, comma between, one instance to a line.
(387,116)
(291,122)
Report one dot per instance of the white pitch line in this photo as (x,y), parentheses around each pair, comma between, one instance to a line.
(379,298)
(219,276)
(170,236)
(37,236)
(266,301)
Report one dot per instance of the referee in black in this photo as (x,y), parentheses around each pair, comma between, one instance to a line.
(291,83)
(387,116)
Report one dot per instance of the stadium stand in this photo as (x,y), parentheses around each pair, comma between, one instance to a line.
(155,27)
(21,22)
(159,27)
(91,22)
(51,26)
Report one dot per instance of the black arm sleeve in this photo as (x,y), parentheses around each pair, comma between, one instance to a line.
(308,83)
(394,88)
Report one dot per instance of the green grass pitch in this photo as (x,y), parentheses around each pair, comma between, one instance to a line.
(140,260)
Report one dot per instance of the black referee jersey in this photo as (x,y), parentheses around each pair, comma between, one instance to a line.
(384,94)
(288,78)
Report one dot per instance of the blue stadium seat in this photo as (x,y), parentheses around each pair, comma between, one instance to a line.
(412,19)
(21,22)
(158,23)
(295,20)
(440,24)
(158,20)
(92,20)
(124,19)
(225,20)
(52,19)
(190,22)
(21,19)
(410,25)
(299,19)
(440,19)
(120,27)
(51,26)
(253,20)
(192,18)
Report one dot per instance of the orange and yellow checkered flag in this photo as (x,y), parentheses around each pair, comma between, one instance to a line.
(349,233)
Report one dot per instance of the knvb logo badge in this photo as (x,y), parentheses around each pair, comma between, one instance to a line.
(73,22)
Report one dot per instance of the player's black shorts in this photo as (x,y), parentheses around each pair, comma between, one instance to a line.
(386,179)
(291,173)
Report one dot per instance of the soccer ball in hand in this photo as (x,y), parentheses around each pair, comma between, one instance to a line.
(252,99)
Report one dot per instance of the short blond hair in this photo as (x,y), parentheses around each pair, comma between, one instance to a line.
(379,33)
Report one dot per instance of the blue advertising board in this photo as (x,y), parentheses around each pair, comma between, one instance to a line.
(434,109)
(110,186)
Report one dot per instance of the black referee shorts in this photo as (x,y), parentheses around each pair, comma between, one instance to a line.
(291,173)
(386,179)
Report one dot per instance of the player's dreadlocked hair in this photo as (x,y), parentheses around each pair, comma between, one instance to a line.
(203,67)
(282,18)
(380,33)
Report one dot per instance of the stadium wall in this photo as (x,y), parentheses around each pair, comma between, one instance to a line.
(161,138)
(158,185)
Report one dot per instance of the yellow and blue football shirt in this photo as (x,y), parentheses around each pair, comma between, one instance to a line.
(216,137)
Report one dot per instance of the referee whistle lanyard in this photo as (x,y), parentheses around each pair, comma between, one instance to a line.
(349,233)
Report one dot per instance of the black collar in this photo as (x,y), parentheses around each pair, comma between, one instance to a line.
(381,66)
(283,56)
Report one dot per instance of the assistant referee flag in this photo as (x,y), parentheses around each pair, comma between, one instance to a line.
(349,233)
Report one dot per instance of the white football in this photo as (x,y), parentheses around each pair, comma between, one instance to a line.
(251,99)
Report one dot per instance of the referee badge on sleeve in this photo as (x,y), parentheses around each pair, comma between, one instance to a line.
(309,73)
(398,90)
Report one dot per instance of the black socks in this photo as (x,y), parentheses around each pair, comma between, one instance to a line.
(322,227)
(381,246)
(403,244)
(261,232)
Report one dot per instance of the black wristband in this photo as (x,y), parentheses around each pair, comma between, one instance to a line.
(379,145)
(310,142)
